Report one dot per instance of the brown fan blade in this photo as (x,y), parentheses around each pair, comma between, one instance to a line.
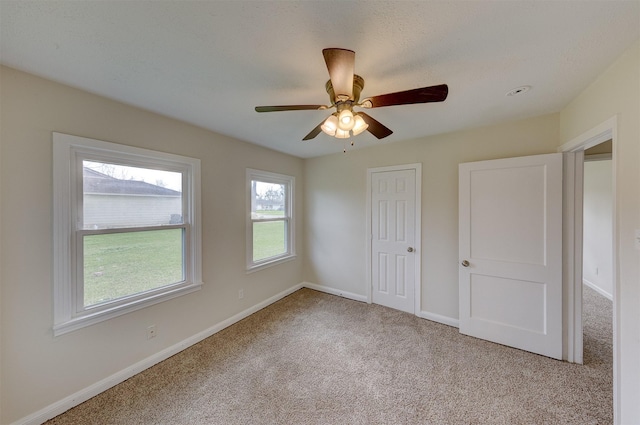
(289,108)
(375,127)
(314,132)
(340,64)
(421,95)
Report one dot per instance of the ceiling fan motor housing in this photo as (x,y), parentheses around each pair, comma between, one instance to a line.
(358,85)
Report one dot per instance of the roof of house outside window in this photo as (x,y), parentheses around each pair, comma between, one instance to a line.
(98,183)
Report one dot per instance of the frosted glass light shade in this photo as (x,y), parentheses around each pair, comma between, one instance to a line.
(345,120)
(342,134)
(359,125)
(330,125)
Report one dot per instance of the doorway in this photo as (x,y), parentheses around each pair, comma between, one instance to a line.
(574,152)
(597,248)
(393,245)
(597,267)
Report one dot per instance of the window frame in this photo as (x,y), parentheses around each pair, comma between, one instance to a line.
(68,155)
(288,219)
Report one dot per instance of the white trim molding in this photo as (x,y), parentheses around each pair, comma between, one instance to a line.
(438,318)
(598,289)
(598,134)
(69,154)
(334,291)
(607,130)
(434,317)
(85,394)
(288,182)
(572,255)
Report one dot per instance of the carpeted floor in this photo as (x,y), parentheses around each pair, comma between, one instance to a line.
(314,358)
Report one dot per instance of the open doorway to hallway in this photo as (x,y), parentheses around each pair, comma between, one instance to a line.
(597,254)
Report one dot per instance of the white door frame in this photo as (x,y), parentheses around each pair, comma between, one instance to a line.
(572,234)
(417,167)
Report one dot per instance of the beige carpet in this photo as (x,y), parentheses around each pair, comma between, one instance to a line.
(314,358)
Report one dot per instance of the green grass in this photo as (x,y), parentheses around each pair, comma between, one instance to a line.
(268,239)
(122,264)
(270,213)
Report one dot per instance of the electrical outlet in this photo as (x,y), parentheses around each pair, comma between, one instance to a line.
(241,294)
(151,332)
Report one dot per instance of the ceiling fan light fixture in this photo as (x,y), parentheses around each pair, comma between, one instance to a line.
(359,125)
(344,88)
(330,125)
(346,121)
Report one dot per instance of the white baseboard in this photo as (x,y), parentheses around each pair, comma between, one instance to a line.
(445,320)
(85,394)
(334,291)
(597,289)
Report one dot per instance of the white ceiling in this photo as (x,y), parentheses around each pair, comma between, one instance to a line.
(210,62)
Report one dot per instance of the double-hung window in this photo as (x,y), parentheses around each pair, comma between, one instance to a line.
(270,238)
(127,231)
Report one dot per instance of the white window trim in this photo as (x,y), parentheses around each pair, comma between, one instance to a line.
(289,182)
(67,150)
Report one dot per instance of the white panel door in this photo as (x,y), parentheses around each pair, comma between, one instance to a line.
(511,252)
(393,201)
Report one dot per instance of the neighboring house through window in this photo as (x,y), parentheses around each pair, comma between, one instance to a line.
(270,237)
(127,231)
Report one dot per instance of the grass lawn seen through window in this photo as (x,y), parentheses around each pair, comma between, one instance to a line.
(268,239)
(123,264)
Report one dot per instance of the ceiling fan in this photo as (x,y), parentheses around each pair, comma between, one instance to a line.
(344,89)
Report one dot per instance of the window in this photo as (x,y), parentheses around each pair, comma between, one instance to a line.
(270,219)
(127,231)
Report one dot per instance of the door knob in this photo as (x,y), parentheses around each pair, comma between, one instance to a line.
(410,249)
(465,263)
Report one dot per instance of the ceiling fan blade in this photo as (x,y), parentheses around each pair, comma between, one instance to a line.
(289,108)
(314,132)
(340,64)
(421,95)
(375,127)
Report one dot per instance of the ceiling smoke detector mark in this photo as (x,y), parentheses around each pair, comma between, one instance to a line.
(518,90)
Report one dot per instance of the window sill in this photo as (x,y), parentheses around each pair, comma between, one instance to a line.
(267,264)
(102,315)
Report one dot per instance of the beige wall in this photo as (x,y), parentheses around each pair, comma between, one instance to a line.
(38,369)
(335,204)
(335,234)
(617,93)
